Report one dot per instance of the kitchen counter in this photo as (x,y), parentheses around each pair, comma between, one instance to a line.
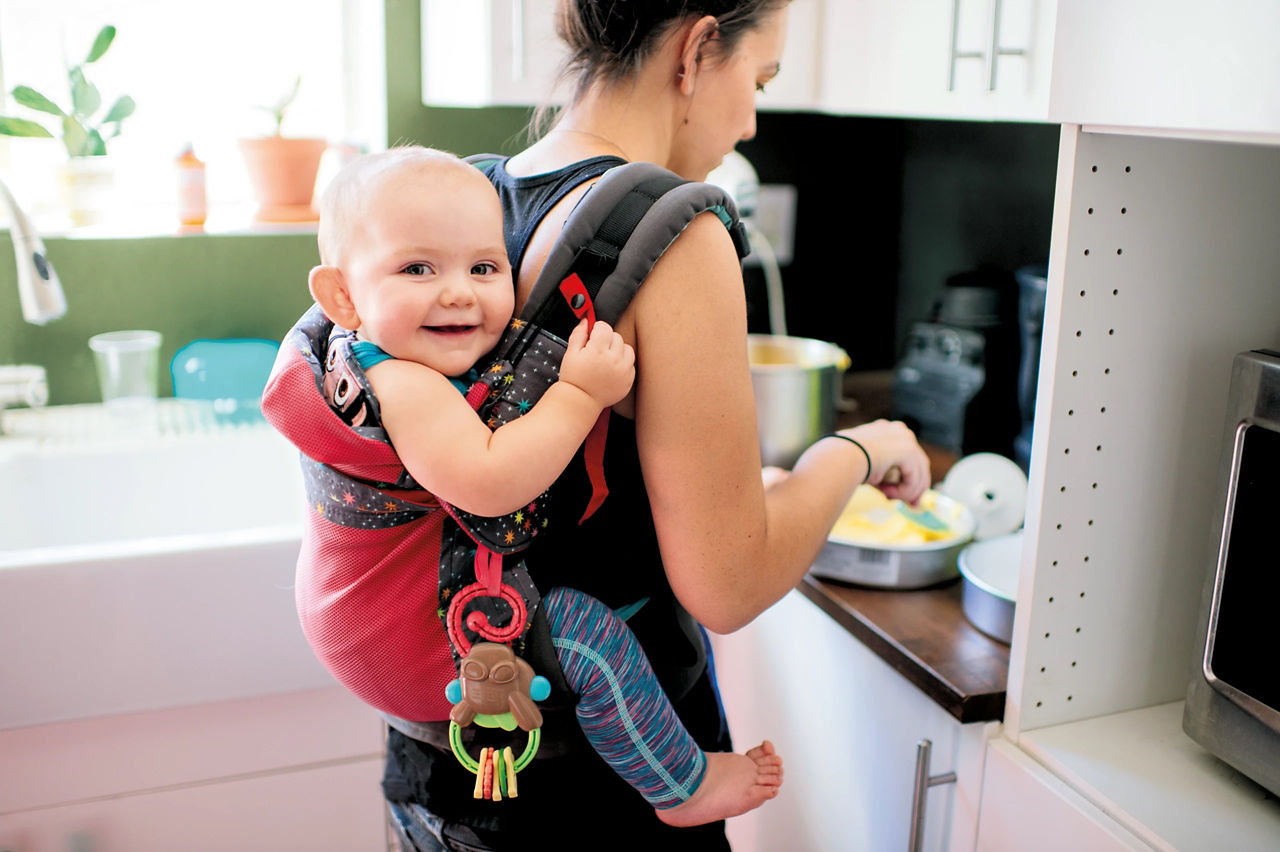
(922,634)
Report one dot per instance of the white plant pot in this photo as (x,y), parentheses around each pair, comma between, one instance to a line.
(87,188)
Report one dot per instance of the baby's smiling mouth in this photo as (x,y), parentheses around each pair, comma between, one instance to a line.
(450,329)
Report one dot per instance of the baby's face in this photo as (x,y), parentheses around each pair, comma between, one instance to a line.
(428,270)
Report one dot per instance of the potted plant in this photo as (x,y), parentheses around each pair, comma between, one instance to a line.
(283,169)
(86,178)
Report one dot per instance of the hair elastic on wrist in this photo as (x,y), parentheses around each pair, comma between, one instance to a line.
(856,444)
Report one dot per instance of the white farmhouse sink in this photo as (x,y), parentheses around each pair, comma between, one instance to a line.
(145,563)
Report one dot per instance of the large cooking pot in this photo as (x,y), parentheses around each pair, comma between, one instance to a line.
(796,381)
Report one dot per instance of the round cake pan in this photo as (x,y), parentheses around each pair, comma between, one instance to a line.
(990,572)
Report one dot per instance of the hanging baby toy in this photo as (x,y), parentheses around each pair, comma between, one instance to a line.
(496,689)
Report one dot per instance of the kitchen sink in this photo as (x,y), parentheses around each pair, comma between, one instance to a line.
(146,561)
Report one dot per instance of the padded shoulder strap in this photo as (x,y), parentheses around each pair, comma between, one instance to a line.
(483,161)
(615,235)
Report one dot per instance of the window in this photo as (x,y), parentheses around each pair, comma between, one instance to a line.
(199,72)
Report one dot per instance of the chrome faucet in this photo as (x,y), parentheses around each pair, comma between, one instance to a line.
(42,299)
(39,290)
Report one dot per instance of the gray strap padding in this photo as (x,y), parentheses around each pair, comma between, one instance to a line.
(658,229)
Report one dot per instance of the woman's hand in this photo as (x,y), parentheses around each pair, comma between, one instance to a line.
(899,466)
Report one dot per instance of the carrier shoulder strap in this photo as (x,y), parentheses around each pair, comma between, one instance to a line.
(617,231)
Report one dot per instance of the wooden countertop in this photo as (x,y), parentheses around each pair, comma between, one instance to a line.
(923,634)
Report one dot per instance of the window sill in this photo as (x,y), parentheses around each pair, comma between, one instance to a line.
(149,223)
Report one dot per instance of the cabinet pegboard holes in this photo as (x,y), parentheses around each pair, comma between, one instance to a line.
(1106,371)
(1090,213)
(1124,210)
(1115,292)
(1086,252)
(1119,251)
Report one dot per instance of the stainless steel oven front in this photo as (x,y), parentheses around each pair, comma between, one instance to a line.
(1233,701)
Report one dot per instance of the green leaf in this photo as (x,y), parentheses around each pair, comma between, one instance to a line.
(101,43)
(96,146)
(85,99)
(75,137)
(21,127)
(32,99)
(120,110)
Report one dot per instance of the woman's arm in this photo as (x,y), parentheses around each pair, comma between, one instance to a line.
(730,547)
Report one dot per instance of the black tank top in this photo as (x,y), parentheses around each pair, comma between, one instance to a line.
(576,801)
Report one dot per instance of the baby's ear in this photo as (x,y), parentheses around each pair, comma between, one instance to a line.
(329,289)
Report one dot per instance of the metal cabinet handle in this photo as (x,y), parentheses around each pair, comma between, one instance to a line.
(924,781)
(955,41)
(991,55)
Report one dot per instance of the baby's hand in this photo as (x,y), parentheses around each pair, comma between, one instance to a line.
(601,364)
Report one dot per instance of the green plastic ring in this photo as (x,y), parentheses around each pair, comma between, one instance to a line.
(460,752)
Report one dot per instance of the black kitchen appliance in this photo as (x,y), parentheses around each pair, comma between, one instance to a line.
(1032,282)
(956,384)
(1233,700)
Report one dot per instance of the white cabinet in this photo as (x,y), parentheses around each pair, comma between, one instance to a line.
(847,727)
(488,52)
(1204,67)
(289,771)
(961,59)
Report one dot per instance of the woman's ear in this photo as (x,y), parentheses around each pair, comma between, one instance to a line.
(698,34)
(329,289)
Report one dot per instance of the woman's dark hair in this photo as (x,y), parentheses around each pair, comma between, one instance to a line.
(609,39)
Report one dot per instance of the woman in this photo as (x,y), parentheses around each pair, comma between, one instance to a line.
(689,535)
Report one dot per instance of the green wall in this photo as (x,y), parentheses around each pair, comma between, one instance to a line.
(185,287)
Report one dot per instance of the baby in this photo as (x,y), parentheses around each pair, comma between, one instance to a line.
(414,263)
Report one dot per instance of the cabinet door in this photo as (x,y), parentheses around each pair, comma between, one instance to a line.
(488,52)
(846,726)
(1141,63)
(962,59)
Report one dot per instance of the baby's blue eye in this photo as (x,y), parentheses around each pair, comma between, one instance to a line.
(417,269)
(484,268)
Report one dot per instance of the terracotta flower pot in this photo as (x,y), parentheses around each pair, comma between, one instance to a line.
(283,173)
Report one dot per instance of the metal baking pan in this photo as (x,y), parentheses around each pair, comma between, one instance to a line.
(899,566)
(990,571)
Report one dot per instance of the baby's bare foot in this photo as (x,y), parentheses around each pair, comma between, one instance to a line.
(734,784)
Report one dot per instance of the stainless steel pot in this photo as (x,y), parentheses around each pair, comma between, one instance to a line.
(796,381)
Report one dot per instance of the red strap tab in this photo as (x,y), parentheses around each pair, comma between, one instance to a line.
(575,293)
(476,394)
(488,570)
(593,458)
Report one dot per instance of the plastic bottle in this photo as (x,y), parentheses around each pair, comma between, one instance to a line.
(192,201)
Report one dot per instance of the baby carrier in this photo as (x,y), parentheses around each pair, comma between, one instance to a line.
(491,637)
